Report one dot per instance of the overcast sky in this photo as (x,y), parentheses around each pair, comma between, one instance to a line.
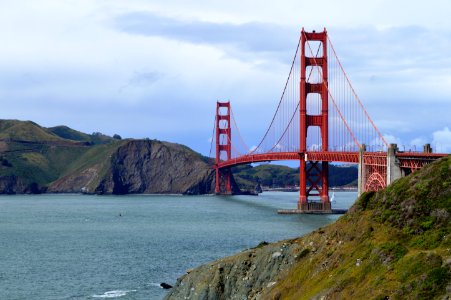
(155,69)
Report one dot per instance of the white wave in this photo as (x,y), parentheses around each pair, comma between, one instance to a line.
(113,294)
(155,284)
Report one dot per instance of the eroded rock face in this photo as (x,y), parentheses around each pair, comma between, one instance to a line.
(76,182)
(157,167)
(10,185)
(143,166)
(244,276)
(14,185)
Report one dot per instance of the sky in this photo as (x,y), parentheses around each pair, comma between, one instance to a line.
(143,68)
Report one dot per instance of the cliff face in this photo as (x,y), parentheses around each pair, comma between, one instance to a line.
(13,185)
(393,244)
(248,275)
(35,159)
(156,167)
(142,166)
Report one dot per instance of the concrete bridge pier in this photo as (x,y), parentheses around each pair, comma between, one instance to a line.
(394,170)
(361,171)
(389,170)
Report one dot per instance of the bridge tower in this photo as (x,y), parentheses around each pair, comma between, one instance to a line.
(223,145)
(313,174)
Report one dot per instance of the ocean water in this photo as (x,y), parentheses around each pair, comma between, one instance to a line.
(123,247)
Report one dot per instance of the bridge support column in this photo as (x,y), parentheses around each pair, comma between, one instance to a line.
(313,185)
(223,146)
(393,169)
(302,184)
(361,171)
(217,184)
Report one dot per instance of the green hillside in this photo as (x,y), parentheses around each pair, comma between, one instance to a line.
(394,244)
(71,134)
(282,176)
(25,131)
(34,159)
(38,156)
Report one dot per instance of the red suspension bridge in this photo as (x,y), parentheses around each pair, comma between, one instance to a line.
(319,119)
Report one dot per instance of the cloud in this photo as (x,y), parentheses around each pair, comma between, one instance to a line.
(255,37)
(442,140)
(391,139)
(418,142)
(142,80)
(159,66)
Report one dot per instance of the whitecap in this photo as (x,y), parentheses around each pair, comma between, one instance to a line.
(155,284)
(113,294)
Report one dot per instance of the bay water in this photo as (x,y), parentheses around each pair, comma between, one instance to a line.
(94,247)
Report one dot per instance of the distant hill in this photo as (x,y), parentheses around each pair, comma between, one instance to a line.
(271,175)
(25,131)
(60,159)
(71,134)
(34,159)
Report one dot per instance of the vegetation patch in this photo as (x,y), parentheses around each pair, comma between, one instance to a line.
(391,245)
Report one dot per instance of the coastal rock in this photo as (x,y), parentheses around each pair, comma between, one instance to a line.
(156,167)
(165,286)
(14,185)
(76,182)
(142,166)
(243,276)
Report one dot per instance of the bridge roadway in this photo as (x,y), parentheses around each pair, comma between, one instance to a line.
(412,160)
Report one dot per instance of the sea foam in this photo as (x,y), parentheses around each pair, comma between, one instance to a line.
(113,294)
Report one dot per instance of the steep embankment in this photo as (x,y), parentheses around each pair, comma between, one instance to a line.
(394,244)
(35,159)
(140,166)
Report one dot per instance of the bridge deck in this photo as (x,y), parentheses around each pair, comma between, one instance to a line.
(330,156)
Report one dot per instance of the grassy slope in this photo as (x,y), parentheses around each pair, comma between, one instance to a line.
(99,156)
(39,163)
(71,134)
(25,131)
(37,154)
(392,243)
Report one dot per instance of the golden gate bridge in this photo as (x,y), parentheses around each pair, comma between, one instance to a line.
(319,119)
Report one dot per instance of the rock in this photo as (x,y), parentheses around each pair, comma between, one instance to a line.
(143,166)
(165,286)
(244,276)
(271,284)
(358,262)
(11,184)
(258,189)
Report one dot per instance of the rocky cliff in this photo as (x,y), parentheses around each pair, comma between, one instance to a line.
(394,244)
(35,159)
(142,166)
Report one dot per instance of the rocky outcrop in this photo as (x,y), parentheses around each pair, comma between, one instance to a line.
(143,166)
(14,185)
(35,159)
(77,182)
(156,167)
(247,275)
